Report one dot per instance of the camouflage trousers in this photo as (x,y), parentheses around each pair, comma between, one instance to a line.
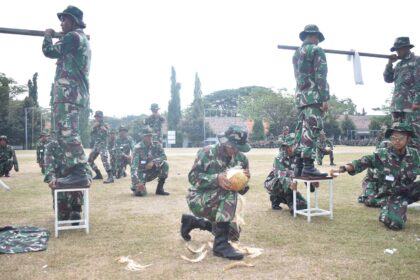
(308,128)
(112,160)
(66,118)
(394,208)
(160,172)
(279,190)
(5,167)
(413,120)
(120,165)
(68,202)
(370,190)
(97,150)
(216,205)
(320,153)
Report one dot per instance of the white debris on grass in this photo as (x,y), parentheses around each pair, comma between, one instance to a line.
(200,257)
(131,264)
(390,251)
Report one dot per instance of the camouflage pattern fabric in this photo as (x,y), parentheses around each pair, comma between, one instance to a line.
(321,150)
(396,180)
(68,202)
(23,239)
(370,189)
(279,179)
(142,155)
(8,159)
(70,93)
(99,136)
(40,152)
(122,149)
(308,129)
(155,122)
(111,151)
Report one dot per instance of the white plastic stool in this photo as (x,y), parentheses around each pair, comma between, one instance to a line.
(311,212)
(84,219)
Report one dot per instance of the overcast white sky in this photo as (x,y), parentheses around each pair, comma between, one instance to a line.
(230,44)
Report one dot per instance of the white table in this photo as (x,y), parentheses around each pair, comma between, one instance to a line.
(316,211)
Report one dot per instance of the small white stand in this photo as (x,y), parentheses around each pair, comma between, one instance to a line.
(311,212)
(84,220)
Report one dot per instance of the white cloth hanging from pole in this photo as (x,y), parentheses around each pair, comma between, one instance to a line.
(357,68)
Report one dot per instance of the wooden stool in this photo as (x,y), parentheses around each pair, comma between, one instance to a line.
(84,219)
(311,212)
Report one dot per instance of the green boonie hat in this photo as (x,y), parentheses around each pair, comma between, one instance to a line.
(400,127)
(99,114)
(401,42)
(122,128)
(154,107)
(44,133)
(4,137)
(147,130)
(236,136)
(309,30)
(75,13)
(289,140)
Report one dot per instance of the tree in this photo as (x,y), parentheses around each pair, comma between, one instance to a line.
(33,89)
(377,122)
(347,125)
(174,108)
(258,130)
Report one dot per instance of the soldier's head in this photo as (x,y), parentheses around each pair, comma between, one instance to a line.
(154,108)
(147,134)
(322,134)
(311,34)
(402,46)
(123,131)
(286,130)
(71,19)
(3,140)
(234,140)
(43,136)
(112,133)
(99,115)
(288,144)
(400,135)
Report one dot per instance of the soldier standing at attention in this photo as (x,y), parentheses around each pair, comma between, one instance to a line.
(70,92)
(124,145)
(99,135)
(405,103)
(155,121)
(397,168)
(312,95)
(210,198)
(7,157)
(324,147)
(40,150)
(149,163)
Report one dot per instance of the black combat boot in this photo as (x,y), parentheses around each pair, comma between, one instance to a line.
(275,202)
(221,246)
(6,174)
(110,178)
(74,216)
(159,188)
(98,174)
(309,169)
(298,167)
(332,161)
(190,222)
(76,178)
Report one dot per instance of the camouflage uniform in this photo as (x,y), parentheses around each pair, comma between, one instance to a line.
(321,150)
(142,155)
(406,79)
(122,149)
(111,149)
(7,158)
(23,239)
(70,91)
(99,136)
(155,121)
(40,152)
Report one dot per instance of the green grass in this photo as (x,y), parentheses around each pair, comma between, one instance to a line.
(351,246)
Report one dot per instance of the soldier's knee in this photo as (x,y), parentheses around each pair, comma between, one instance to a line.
(394,225)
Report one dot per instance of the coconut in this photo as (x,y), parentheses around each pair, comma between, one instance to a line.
(237,178)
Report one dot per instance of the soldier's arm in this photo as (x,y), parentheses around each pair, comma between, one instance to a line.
(199,175)
(65,45)
(135,166)
(283,174)
(416,99)
(357,166)
(389,73)
(49,164)
(321,71)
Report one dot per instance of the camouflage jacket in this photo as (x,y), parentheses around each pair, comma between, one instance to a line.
(310,67)
(40,151)
(393,172)
(71,83)
(99,133)
(142,155)
(211,161)
(7,153)
(155,122)
(53,161)
(124,145)
(406,79)
(111,144)
(323,144)
(283,169)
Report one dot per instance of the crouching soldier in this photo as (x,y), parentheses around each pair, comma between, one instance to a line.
(279,182)
(210,197)
(7,157)
(397,168)
(123,147)
(40,150)
(149,163)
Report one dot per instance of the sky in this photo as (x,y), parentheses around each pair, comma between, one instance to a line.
(229,43)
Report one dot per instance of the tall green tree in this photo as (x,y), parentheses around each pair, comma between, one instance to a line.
(174,108)
(258,130)
(33,89)
(347,126)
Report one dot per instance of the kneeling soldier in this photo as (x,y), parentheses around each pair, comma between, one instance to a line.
(7,157)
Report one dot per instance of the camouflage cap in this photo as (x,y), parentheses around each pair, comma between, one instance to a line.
(309,30)
(237,137)
(289,140)
(4,137)
(401,42)
(122,128)
(44,133)
(99,114)
(75,13)
(400,127)
(147,130)
(154,107)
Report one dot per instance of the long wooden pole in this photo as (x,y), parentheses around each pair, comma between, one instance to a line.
(29,32)
(284,47)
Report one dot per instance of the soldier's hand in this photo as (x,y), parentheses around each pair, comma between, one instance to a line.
(415,107)
(51,184)
(16,168)
(324,106)
(49,32)
(293,185)
(140,186)
(392,58)
(223,181)
(247,173)
(335,172)
(150,165)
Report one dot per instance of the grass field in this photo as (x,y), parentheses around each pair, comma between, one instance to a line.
(351,246)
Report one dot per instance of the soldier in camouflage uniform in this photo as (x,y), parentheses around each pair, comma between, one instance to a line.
(70,93)
(111,148)
(99,136)
(7,157)
(324,147)
(397,168)
(149,163)
(279,182)
(210,198)
(40,150)
(405,103)
(284,133)
(155,121)
(312,95)
(124,145)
